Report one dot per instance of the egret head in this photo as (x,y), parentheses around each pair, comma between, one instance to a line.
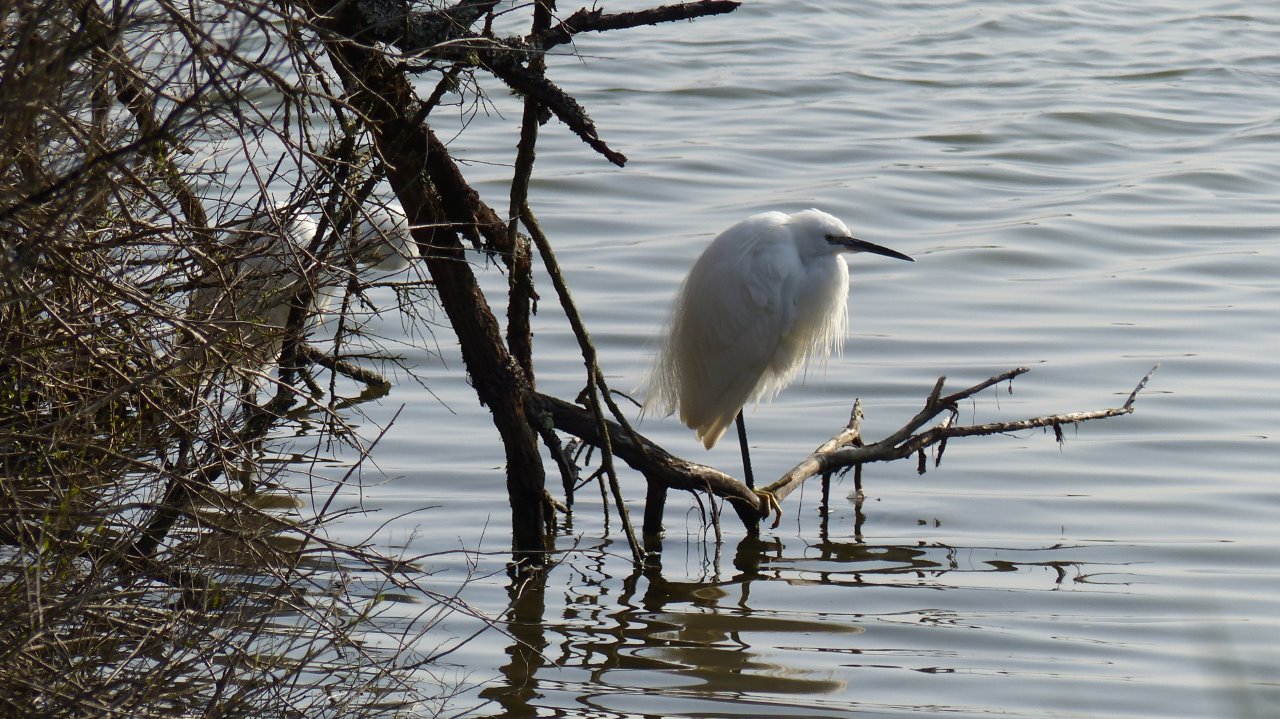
(822,233)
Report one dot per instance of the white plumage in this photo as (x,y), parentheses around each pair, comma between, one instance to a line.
(272,257)
(767,295)
(383,241)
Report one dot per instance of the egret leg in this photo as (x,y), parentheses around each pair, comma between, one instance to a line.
(746,453)
(771,501)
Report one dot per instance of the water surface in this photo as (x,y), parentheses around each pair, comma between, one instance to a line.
(1089,189)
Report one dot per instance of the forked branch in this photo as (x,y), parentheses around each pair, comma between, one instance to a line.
(651,460)
(837,455)
(842,451)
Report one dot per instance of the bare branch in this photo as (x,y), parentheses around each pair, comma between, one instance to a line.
(596,20)
(651,460)
(907,441)
(842,451)
(519,78)
(1141,385)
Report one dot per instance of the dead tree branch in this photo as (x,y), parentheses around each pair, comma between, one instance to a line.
(443,35)
(596,385)
(841,452)
(835,455)
(507,68)
(385,97)
(655,463)
(596,20)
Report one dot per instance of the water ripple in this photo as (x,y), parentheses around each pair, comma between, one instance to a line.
(1089,188)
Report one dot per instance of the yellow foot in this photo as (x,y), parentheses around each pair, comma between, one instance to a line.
(771,506)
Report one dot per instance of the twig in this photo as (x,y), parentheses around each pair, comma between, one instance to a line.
(1128,404)
(566,109)
(596,386)
(312,354)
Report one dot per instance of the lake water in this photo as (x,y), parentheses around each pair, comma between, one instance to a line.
(1089,189)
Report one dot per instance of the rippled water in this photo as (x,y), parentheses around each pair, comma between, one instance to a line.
(1089,188)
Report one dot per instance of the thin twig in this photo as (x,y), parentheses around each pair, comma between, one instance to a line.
(596,388)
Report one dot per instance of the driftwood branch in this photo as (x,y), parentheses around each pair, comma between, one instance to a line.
(843,451)
(654,462)
(835,455)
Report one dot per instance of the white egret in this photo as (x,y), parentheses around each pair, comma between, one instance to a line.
(272,258)
(383,242)
(766,295)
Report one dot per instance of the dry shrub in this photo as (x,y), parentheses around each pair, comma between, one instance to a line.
(150,564)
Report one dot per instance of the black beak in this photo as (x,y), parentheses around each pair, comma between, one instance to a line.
(853,244)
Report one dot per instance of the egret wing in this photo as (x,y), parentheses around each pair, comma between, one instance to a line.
(735,307)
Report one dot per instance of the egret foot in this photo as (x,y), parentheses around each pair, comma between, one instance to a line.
(771,506)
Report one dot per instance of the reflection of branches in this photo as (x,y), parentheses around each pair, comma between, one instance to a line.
(728,629)
(855,563)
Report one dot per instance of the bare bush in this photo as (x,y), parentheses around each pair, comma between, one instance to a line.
(152,562)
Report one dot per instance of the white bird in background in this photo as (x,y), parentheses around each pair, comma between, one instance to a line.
(274,251)
(767,295)
(383,241)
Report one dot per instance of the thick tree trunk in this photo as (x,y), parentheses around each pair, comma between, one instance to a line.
(447,210)
(386,98)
